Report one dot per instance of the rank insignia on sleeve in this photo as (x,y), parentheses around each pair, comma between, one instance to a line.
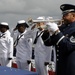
(72,39)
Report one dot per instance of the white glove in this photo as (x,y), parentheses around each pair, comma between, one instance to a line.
(52,26)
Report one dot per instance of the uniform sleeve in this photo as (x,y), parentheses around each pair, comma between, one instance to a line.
(30,34)
(64,43)
(10,50)
(46,38)
(14,34)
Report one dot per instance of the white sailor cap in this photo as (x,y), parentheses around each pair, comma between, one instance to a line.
(22,22)
(41,18)
(4,23)
(49,18)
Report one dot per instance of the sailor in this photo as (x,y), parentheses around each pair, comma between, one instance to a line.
(6,45)
(64,40)
(22,45)
(42,53)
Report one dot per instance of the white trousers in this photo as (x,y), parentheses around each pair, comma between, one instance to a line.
(5,62)
(22,65)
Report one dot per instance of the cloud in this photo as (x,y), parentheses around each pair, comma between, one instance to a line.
(33,7)
(13,10)
(11,6)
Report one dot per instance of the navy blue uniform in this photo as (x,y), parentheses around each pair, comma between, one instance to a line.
(65,49)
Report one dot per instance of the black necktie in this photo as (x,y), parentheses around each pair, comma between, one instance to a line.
(1,35)
(16,41)
(36,38)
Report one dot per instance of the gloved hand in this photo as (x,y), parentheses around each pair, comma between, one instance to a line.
(52,27)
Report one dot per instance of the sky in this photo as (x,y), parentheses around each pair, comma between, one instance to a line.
(12,11)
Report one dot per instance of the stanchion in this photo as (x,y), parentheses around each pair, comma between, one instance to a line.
(31,65)
(14,64)
(50,67)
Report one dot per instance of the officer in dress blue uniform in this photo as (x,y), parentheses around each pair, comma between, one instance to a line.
(64,40)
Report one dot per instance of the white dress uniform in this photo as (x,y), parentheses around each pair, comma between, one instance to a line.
(6,49)
(23,50)
(42,53)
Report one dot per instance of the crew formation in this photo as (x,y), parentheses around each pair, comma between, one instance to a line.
(41,43)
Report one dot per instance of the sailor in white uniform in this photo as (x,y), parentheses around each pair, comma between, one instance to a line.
(6,45)
(42,53)
(22,44)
